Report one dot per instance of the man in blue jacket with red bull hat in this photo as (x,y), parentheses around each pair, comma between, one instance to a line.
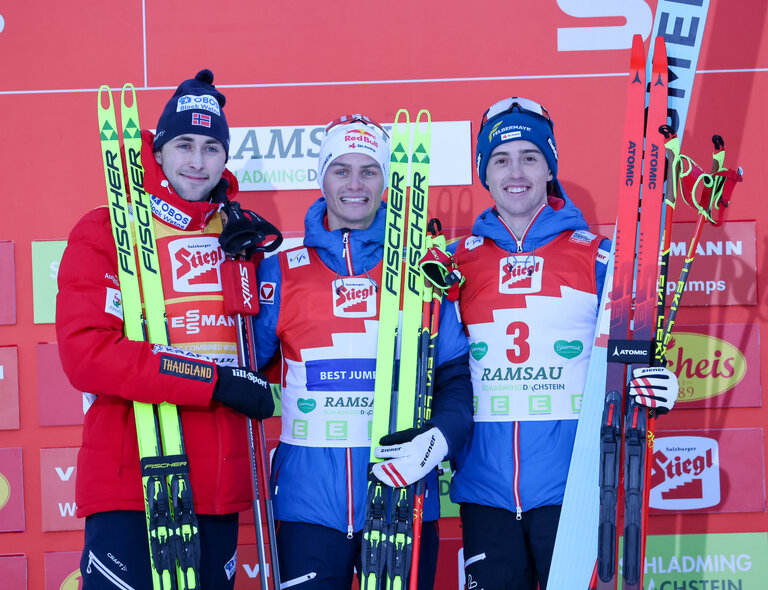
(534,276)
(322,313)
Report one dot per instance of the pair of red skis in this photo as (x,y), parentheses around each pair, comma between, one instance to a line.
(638,333)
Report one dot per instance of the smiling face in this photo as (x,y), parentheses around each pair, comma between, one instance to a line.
(353,186)
(193,164)
(517,177)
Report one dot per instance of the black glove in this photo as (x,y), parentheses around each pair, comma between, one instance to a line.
(246,231)
(245,391)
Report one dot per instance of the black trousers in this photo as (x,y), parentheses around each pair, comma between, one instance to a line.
(503,553)
(321,558)
(116,551)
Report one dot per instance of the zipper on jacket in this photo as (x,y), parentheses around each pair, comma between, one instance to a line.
(527,227)
(347,252)
(516,475)
(350,496)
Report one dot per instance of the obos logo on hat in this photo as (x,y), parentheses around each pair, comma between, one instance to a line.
(195,108)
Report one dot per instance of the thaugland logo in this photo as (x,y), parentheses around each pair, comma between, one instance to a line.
(353,298)
(685,474)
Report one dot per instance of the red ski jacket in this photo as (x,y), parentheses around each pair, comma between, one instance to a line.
(98,359)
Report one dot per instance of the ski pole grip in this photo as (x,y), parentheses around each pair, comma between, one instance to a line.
(238,283)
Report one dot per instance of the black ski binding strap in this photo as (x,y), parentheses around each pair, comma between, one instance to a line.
(247,231)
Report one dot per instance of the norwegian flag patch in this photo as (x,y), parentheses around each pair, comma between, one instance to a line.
(201,119)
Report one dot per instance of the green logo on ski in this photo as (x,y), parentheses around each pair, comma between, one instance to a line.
(399,155)
(570,349)
(306,405)
(420,155)
(478,350)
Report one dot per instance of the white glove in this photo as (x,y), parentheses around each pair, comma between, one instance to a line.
(413,453)
(654,387)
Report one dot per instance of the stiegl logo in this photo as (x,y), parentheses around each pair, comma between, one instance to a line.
(685,474)
(353,298)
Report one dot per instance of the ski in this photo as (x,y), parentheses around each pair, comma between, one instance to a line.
(171,522)
(375,534)
(388,548)
(638,423)
(621,303)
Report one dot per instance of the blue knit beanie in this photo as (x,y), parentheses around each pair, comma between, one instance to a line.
(514,119)
(195,108)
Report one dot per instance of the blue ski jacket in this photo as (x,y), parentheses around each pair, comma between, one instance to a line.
(486,470)
(328,485)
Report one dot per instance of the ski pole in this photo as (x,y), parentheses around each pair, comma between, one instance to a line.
(717,188)
(239,287)
(425,385)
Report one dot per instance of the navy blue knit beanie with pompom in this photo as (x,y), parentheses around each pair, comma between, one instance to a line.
(195,108)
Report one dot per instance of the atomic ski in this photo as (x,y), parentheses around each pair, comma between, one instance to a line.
(387,546)
(171,523)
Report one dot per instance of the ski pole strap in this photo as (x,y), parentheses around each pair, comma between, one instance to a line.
(709,193)
(247,231)
(674,164)
(437,265)
(238,284)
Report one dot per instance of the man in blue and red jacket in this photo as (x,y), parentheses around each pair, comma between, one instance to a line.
(321,311)
(534,276)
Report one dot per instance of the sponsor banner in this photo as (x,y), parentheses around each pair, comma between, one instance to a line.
(9,388)
(62,570)
(13,571)
(717,365)
(11,490)
(46,257)
(248,567)
(285,158)
(59,404)
(57,479)
(724,271)
(447,508)
(708,471)
(196,266)
(712,562)
(7,284)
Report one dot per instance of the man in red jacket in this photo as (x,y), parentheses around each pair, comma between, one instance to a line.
(186,177)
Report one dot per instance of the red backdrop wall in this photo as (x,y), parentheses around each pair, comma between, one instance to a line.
(304,63)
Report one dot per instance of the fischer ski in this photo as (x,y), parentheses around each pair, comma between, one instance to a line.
(388,547)
(171,522)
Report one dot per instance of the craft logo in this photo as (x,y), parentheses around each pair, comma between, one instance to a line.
(685,474)
(353,298)
(201,120)
(196,264)
(358,136)
(520,275)
(705,366)
(206,102)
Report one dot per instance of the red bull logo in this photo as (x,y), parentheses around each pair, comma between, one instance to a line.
(354,298)
(520,276)
(362,136)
